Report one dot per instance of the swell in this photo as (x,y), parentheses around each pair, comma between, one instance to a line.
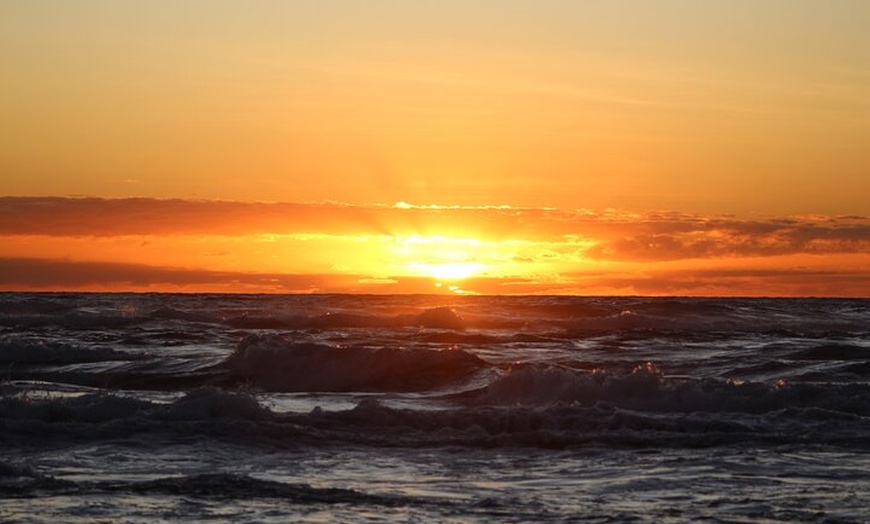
(35,359)
(121,315)
(32,350)
(805,416)
(274,363)
(438,317)
(16,481)
(427,361)
(540,314)
(646,388)
(267,362)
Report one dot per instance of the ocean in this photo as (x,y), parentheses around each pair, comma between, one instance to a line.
(343,408)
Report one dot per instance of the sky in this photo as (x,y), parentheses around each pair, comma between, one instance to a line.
(550,146)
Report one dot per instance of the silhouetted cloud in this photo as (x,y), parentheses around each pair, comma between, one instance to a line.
(28,274)
(147,216)
(58,216)
(608,235)
(34,274)
(744,282)
(546,235)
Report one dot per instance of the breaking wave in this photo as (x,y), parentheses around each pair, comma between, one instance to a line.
(29,351)
(646,388)
(623,412)
(275,363)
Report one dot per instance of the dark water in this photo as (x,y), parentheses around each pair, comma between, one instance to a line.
(228,408)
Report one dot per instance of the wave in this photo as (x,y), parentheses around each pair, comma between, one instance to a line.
(27,304)
(32,359)
(646,388)
(234,486)
(831,417)
(436,361)
(539,315)
(265,361)
(253,318)
(275,363)
(169,313)
(29,351)
(479,339)
(437,318)
(22,482)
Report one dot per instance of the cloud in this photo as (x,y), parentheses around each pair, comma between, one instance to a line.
(607,235)
(29,274)
(686,237)
(55,216)
(36,274)
(58,216)
(786,282)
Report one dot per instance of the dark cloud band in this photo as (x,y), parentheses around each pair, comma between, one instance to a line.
(612,235)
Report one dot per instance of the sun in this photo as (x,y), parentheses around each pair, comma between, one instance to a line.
(451,270)
(440,257)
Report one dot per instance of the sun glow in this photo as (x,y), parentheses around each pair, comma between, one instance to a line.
(450,270)
(440,257)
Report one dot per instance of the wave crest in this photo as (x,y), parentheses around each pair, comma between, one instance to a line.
(274,363)
(645,388)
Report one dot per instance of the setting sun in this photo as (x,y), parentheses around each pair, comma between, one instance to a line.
(450,270)
(440,257)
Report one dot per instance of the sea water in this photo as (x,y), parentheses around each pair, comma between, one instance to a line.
(340,408)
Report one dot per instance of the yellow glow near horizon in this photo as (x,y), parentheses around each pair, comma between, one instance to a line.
(93,244)
(450,270)
(441,257)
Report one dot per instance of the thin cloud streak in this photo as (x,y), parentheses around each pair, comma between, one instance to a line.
(33,274)
(787,282)
(26,274)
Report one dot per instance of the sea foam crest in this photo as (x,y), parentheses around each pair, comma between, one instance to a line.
(274,363)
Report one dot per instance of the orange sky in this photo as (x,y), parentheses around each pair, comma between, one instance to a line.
(149,244)
(596,147)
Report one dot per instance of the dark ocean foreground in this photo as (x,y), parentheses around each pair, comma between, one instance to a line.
(234,408)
